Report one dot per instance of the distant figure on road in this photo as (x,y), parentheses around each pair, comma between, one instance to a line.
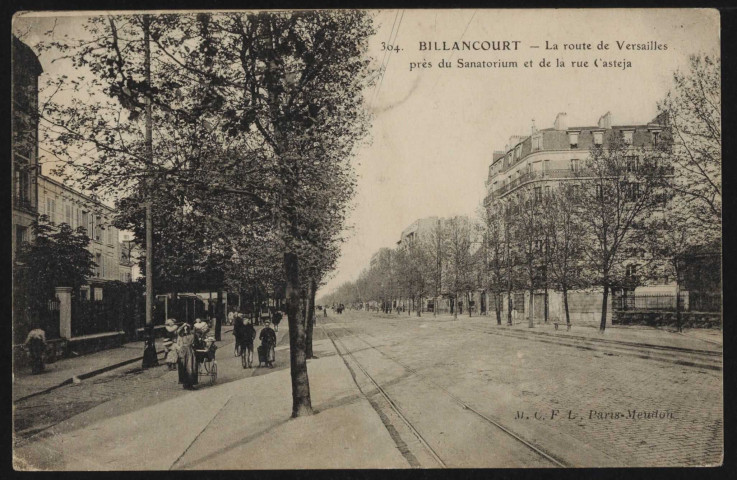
(36,345)
(249,334)
(276,318)
(267,351)
(238,334)
(187,364)
(325,311)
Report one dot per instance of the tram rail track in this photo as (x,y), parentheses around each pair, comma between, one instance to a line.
(554,460)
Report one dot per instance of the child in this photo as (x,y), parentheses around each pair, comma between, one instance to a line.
(171,355)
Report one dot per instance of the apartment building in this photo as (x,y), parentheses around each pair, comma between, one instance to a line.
(65,205)
(546,157)
(539,162)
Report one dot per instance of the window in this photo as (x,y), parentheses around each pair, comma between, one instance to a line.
(85,222)
(573,139)
(518,152)
(631,163)
(599,192)
(575,164)
(628,136)
(631,270)
(97,228)
(68,214)
(546,166)
(98,265)
(538,194)
(21,235)
(547,190)
(598,138)
(98,293)
(51,209)
(656,134)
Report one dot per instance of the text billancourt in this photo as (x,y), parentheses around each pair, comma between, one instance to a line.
(495,45)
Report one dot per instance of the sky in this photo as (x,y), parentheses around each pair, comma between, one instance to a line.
(434,129)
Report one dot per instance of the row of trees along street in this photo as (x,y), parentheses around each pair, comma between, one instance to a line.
(234,130)
(651,205)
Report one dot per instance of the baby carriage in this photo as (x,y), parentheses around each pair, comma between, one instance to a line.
(205,358)
(266,356)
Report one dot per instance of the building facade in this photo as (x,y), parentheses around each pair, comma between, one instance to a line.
(537,163)
(64,205)
(24,150)
(546,157)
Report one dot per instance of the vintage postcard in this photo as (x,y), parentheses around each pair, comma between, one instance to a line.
(359,239)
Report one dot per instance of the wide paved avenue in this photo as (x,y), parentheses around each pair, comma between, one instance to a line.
(467,392)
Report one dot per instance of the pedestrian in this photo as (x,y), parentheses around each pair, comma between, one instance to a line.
(186,362)
(36,345)
(249,334)
(171,328)
(238,334)
(267,352)
(171,356)
(325,311)
(276,318)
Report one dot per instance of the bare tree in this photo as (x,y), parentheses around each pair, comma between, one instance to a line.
(495,243)
(564,234)
(459,258)
(693,139)
(528,237)
(620,187)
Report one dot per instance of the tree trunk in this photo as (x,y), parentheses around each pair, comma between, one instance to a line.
(604,299)
(546,306)
(470,310)
(531,313)
(418,307)
(565,305)
(509,307)
(301,402)
(455,306)
(678,303)
(498,308)
(311,318)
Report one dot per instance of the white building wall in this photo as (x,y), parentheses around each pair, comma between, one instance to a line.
(64,205)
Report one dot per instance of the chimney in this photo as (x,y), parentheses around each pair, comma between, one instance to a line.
(561,122)
(533,129)
(514,140)
(605,121)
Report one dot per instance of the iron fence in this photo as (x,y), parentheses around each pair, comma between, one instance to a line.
(688,302)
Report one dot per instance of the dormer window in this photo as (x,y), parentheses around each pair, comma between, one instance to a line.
(598,138)
(656,137)
(628,136)
(573,139)
(536,143)
(518,152)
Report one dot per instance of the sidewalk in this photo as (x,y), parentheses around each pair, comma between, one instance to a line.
(63,371)
(242,422)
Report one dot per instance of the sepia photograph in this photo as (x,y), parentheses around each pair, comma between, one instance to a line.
(366,239)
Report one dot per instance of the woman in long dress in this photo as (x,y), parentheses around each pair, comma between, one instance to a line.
(186,364)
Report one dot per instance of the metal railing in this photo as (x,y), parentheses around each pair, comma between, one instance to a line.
(708,302)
